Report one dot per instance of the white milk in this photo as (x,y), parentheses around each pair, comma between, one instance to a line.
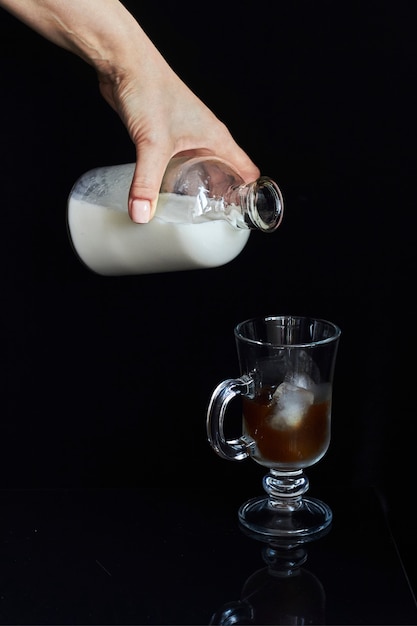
(109,243)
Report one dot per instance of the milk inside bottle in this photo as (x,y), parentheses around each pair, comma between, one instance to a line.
(189,230)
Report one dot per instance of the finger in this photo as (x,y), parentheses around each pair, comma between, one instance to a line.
(146,183)
(242,163)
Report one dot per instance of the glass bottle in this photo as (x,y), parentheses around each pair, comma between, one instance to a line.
(204,216)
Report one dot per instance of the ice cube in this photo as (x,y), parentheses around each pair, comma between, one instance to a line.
(302,364)
(291,405)
(300,380)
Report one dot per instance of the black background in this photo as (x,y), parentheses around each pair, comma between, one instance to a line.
(107,380)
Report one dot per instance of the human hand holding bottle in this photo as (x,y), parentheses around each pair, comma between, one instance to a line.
(165,119)
(162,115)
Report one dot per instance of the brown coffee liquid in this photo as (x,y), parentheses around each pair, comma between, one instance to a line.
(297,445)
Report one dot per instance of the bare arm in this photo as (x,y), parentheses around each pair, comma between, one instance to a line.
(163,117)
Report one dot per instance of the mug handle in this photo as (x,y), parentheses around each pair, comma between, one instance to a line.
(231,449)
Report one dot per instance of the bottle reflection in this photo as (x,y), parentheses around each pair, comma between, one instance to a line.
(283,592)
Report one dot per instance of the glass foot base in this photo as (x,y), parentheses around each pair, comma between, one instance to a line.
(311,519)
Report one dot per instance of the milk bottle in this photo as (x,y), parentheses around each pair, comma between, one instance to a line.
(204,216)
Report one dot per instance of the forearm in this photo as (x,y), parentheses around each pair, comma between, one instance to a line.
(99,31)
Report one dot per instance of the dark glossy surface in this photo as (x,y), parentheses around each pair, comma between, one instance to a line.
(154,556)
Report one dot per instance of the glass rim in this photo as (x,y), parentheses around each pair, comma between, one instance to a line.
(268,318)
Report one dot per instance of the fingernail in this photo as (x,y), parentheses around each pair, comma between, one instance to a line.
(140,211)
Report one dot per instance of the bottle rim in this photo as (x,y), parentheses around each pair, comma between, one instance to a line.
(266,207)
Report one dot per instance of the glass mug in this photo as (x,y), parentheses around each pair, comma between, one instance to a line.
(287,366)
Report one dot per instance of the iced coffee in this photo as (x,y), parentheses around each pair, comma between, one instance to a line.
(289,424)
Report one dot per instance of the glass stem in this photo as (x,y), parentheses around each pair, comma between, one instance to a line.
(284,560)
(285,489)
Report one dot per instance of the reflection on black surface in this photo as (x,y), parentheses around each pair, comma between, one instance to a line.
(166,556)
(283,592)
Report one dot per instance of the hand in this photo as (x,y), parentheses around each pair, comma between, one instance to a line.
(164,118)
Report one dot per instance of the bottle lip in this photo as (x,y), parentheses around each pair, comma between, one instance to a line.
(266,209)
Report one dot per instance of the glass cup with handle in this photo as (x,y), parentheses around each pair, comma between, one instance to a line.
(287,365)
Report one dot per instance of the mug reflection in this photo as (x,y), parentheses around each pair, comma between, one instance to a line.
(283,592)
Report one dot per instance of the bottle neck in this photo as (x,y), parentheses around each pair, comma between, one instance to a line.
(261,203)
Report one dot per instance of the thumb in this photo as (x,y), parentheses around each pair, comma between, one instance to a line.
(146,183)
